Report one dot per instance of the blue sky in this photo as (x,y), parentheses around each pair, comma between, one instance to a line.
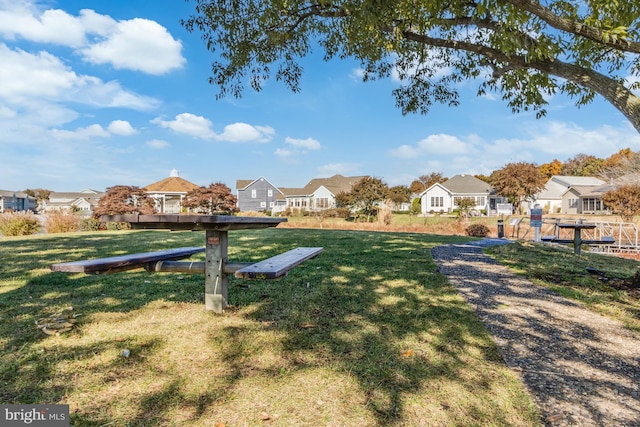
(115,92)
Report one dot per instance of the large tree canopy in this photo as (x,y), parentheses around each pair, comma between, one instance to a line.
(524,49)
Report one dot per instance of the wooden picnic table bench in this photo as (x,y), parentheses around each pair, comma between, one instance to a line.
(577,239)
(124,262)
(216,266)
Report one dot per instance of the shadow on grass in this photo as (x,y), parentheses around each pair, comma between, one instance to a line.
(371,306)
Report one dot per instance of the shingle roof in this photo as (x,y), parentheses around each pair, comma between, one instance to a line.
(466,184)
(557,185)
(173,184)
(336,184)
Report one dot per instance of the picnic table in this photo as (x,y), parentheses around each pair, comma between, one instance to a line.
(577,236)
(216,266)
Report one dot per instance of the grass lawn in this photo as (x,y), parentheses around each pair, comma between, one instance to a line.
(366,334)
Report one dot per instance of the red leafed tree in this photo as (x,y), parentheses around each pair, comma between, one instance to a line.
(214,199)
(125,199)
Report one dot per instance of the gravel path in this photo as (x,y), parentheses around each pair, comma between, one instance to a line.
(581,368)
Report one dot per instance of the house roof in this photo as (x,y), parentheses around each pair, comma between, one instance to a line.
(466,184)
(587,190)
(569,181)
(243,184)
(172,184)
(335,184)
(557,185)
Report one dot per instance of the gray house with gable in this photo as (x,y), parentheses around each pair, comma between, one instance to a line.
(258,195)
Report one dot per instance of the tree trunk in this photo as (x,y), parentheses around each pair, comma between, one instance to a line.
(619,96)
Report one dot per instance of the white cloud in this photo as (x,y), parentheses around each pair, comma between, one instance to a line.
(20,19)
(43,76)
(157,144)
(137,44)
(121,127)
(201,127)
(243,132)
(633,80)
(140,45)
(565,140)
(357,74)
(308,144)
(439,144)
(188,124)
(84,133)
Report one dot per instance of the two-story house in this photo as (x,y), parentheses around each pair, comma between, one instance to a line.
(258,195)
(16,201)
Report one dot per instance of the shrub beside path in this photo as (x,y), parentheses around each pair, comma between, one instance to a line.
(581,368)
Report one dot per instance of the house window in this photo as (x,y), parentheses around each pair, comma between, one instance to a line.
(480,201)
(322,203)
(263,204)
(573,203)
(591,204)
(270,193)
(253,194)
(437,201)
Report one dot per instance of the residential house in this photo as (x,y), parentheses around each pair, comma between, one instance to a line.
(169,192)
(258,195)
(585,199)
(555,197)
(443,197)
(319,193)
(82,202)
(16,201)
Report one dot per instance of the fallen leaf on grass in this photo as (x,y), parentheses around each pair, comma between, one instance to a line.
(58,323)
(407,353)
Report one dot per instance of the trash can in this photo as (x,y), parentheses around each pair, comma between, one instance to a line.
(500,229)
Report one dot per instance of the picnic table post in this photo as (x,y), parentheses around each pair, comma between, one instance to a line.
(577,240)
(215,280)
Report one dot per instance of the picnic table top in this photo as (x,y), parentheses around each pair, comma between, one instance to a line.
(576,225)
(193,222)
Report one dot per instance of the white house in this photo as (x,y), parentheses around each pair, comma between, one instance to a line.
(319,193)
(555,190)
(82,202)
(443,197)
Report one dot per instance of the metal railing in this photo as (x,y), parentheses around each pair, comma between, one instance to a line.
(625,234)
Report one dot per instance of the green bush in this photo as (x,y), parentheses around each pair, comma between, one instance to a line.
(19,224)
(89,224)
(115,226)
(477,230)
